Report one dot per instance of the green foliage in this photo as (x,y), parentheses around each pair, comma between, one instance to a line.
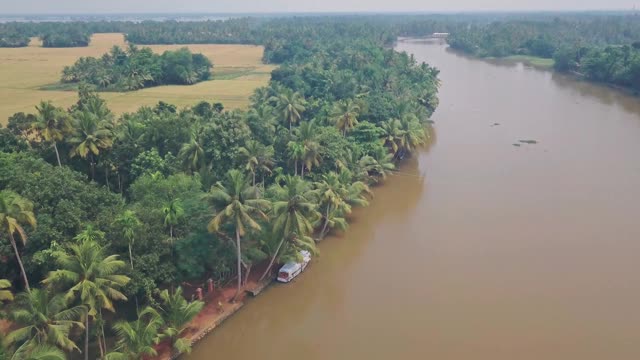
(64,202)
(5,295)
(138,68)
(70,37)
(195,193)
(43,319)
(177,312)
(598,47)
(138,337)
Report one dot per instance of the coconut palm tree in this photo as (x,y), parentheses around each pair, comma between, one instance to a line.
(52,124)
(294,213)
(235,204)
(39,352)
(412,132)
(42,318)
(177,312)
(307,134)
(296,153)
(173,213)
(290,105)
(128,223)
(256,157)
(192,154)
(90,233)
(5,295)
(91,136)
(378,165)
(345,115)
(94,280)
(337,194)
(392,135)
(311,157)
(15,212)
(136,339)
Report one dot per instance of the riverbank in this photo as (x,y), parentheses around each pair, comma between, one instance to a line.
(219,306)
(534,61)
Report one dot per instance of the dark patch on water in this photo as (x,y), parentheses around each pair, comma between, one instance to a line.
(530,142)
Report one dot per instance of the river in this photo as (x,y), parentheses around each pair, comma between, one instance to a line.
(499,252)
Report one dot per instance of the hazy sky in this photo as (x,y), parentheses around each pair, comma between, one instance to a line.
(221,6)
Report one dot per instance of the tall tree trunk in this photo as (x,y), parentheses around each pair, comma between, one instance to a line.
(92,165)
(24,273)
(239,265)
(302,170)
(130,255)
(103,347)
(295,166)
(323,233)
(106,178)
(86,337)
(55,147)
(246,275)
(254,184)
(273,259)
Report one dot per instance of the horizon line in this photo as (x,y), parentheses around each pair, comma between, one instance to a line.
(372,12)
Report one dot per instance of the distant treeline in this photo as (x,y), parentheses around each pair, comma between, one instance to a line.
(232,31)
(600,48)
(137,68)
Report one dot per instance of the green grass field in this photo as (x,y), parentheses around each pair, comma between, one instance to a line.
(27,73)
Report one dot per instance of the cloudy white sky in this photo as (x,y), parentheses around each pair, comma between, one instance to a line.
(226,6)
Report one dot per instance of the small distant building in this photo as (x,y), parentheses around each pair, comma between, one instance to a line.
(440,35)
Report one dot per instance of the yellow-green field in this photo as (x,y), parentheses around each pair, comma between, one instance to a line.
(238,70)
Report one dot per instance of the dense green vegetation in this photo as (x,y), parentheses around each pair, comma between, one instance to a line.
(604,48)
(103,211)
(137,68)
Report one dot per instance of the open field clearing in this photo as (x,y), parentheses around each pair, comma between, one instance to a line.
(238,70)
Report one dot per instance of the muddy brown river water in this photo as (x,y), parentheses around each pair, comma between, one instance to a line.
(498,253)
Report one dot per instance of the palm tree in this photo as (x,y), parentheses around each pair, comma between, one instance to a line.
(52,124)
(311,156)
(256,157)
(378,165)
(173,213)
(39,352)
(290,105)
(413,134)
(392,135)
(306,135)
(177,312)
(128,223)
(44,319)
(293,215)
(5,295)
(94,279)
(91,136)
(192,154)
(296,153)
(90,233)
(345,115)
(136,339)
(16,211)
(236,205)
(337,194)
